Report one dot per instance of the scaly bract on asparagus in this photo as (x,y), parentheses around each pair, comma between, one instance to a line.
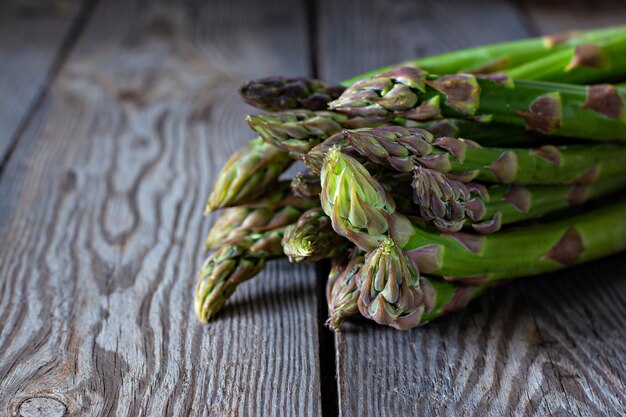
(306,185)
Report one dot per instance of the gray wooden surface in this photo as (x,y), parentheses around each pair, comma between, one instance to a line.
(118,115)
(34,38)
(102,219)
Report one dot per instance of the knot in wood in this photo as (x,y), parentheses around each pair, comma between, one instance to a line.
(42,407)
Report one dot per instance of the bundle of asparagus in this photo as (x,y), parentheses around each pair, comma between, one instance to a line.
(430,182)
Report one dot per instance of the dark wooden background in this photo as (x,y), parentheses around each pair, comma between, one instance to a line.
(115,117)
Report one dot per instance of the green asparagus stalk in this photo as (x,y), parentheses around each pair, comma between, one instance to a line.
(311,238)
(361,211)
(247,175)
(284,93)
(487,209)
(501,57)
(593,61)
(484,133)
(511,204)
(231,265)
(403,149)
(342,291)
(450,204)
(532,250)
(439,298)
(298,131)
(594,112)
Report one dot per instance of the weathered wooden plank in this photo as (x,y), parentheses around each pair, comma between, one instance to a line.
(31,43)
(102,225)
(358,36)
(555,16)
(550,345)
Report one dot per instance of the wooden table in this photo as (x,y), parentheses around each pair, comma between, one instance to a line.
(115,117)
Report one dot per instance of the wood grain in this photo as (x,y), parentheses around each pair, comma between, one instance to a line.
(551,345)
(102,225)
(359,36)
(556,16)
(33,39)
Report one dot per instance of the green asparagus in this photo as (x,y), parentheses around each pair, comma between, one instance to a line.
(501,57)
(403,149)
(595,112)
(311,238)
(389,287)
(231,265)
(280,208)
(527,251)
(342,291)
(590,62)
(282,93)
(248,174)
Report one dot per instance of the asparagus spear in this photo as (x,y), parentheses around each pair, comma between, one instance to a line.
(510,204)
(278,209)
(389,287)
(311,238)
(593,61)
(528,251)
(593,112)
(403,149)
(361,211)
(248,174)
(231,265)
(298,131)
(500,56)
(439,297)
(450,204)
(359,207)
(283,93)
(342,291)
